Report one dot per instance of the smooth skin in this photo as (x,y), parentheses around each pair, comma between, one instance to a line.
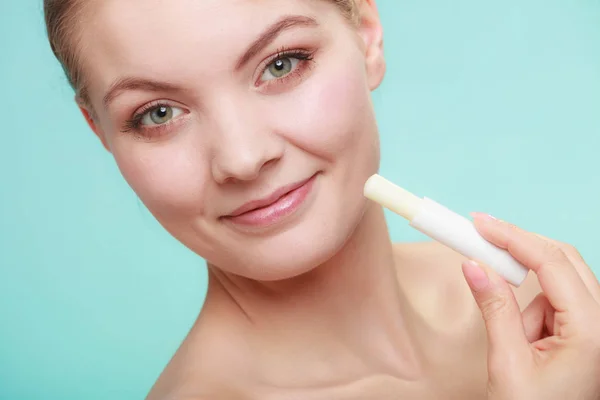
(320,305)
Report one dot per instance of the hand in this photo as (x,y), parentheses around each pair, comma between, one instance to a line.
(551,351)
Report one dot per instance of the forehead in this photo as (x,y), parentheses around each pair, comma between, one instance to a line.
(121,36)
(209,19)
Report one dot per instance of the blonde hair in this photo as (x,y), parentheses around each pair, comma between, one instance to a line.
(61,17)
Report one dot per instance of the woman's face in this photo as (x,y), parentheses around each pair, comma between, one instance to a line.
(246,127)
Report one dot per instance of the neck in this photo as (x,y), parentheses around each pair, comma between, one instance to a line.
(350,309)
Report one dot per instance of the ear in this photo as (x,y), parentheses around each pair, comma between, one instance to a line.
(88,114)
(371,31)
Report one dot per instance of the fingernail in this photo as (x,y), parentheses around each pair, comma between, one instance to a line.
(475,275)
(483,216)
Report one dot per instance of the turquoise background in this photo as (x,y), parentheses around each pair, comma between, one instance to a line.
(489,106)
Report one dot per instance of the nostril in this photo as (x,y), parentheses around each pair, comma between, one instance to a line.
(242,166)
(268,164)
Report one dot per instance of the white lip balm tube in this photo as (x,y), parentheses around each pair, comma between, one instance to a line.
(445,226)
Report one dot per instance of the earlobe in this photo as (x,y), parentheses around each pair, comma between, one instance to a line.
(371,32)
(88,115)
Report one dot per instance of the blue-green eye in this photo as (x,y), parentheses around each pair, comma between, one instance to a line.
(160,115)
(280,68)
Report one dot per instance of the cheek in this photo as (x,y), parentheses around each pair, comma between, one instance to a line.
(169,177)
(328,114)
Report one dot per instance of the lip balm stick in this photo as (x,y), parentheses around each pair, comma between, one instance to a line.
(444,226)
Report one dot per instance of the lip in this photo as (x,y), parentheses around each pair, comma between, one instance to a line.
(273,208)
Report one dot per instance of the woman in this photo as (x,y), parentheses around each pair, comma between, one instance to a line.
(247,129)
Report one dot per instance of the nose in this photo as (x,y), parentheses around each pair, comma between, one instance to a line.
(244,145)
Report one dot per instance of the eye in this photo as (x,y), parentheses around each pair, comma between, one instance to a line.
(280,68)
(160,115)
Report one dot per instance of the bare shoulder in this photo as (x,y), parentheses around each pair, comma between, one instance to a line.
(199,369)
(432,273)
(182,381)
(450,324)
(430,276)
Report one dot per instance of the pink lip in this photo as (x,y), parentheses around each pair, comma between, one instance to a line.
(282,203)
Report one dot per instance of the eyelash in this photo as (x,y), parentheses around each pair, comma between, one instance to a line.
(135,123)
(304,56)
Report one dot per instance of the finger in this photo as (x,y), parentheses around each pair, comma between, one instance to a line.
(557,276)
(587,275)
(500,311)
(538,319)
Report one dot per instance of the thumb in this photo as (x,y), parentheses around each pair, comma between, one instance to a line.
(507,342)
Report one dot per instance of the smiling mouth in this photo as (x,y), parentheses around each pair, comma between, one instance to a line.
(272,209)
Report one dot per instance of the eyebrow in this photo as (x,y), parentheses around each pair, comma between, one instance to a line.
(271,33)
(267,37)
(125,84)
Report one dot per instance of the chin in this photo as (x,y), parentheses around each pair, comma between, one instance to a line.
(283,259)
